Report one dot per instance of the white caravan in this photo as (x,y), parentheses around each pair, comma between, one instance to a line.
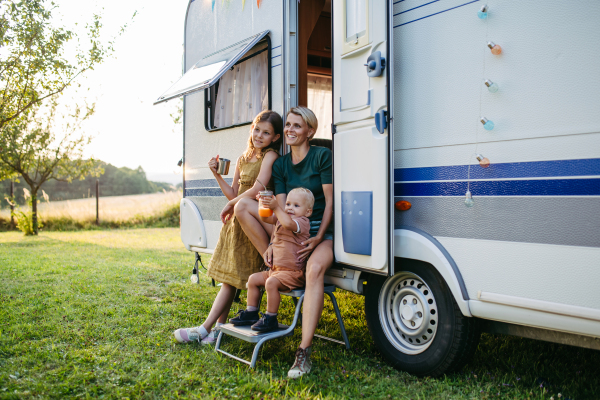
(466,146)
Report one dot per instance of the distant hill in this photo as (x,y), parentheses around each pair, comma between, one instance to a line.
(114,182)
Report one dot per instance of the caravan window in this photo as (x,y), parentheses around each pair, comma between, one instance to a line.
(241,93)
(356,26)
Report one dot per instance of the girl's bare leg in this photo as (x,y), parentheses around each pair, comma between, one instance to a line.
(220,307)
(259,232)
(319,262)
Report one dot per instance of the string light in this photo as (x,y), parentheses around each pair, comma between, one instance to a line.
(484,162)
(495,48)
(469,199)
(487,124)
(491,86)
(483,12)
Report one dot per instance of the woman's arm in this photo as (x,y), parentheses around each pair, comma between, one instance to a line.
(229,191)
(313,242)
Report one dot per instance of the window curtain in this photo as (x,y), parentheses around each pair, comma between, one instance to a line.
(243,92)
(319,101)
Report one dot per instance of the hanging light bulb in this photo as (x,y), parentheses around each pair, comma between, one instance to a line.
(492,87)
(496,49)
(484,162)
(194,278)
(469,199)
(487,124)
(483,12)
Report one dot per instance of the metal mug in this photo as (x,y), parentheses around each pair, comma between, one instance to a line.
(223,167)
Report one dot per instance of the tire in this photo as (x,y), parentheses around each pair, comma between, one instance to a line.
(431,337)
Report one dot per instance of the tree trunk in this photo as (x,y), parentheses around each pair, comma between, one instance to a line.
(34,217)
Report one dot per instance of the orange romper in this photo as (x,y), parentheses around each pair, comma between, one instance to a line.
(287,268)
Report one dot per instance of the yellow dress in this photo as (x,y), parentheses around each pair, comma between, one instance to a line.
(235,257)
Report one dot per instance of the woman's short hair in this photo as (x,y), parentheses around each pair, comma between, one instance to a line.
(307,116)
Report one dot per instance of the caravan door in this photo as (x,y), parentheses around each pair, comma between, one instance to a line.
(362,135)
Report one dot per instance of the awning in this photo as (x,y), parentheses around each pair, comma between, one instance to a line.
(209,69)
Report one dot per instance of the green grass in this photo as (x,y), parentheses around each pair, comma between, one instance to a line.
(91,314)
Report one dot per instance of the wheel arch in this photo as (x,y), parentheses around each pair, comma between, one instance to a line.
(412,243)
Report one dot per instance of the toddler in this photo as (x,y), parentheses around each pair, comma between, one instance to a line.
(286,270)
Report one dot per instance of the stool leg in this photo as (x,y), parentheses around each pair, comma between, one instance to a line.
(339,318)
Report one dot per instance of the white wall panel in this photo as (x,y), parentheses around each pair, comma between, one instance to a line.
(559,274)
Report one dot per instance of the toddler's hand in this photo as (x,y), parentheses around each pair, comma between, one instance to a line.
(213,164)
(268,257)
(269,202)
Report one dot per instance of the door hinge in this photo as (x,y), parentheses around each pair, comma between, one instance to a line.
(381,121)
(333,130)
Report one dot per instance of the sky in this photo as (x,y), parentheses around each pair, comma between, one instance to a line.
(128,130)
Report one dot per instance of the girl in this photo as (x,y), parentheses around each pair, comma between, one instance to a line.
(235,257)
(310,167)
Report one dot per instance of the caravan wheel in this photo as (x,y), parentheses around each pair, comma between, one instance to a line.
(415,322)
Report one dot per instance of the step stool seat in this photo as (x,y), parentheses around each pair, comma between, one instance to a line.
(246,333)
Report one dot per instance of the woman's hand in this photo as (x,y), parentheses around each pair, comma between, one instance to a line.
(311,244)
(213,164)
(268,257)
(227,212)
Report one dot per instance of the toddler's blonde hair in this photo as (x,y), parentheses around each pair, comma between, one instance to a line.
(310,198)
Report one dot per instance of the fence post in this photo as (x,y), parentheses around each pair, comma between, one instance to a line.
(97,202)
(12,207)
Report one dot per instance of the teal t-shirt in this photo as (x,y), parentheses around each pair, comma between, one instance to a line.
(312,173)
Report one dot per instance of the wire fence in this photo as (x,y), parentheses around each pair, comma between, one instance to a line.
(88,208)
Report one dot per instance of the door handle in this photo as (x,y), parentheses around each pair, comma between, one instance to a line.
(381,121)
(375,64)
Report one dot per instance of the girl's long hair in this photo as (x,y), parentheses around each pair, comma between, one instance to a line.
(276,122)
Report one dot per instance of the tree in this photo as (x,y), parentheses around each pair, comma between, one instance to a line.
(33,66)
(32,148)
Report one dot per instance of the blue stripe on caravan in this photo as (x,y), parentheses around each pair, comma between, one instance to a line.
(431,15)
(414,8)
(275,65)
(205,183)
(535,169)
(553,187)
(203,192)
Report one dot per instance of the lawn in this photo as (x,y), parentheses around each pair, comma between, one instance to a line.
(91,314)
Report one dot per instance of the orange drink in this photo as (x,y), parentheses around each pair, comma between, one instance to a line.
(264,211)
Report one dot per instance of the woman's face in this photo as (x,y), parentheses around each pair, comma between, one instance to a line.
(263,135)
(296,131)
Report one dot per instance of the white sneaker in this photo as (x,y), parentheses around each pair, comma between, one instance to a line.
(186,335)
(211,338)
(302,365)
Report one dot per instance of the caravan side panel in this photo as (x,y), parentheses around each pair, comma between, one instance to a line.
(208,31)
(533,230)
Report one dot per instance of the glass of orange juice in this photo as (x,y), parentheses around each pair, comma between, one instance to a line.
(262,210)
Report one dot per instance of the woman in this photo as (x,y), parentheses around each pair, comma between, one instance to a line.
(309,167)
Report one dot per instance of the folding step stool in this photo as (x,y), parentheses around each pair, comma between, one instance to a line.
(247,334)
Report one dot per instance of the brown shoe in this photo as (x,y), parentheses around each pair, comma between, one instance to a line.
(302,364)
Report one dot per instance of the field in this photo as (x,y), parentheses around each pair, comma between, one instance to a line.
(90,315)
(112,209)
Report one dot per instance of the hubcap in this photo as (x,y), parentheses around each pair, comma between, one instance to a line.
(408,313)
